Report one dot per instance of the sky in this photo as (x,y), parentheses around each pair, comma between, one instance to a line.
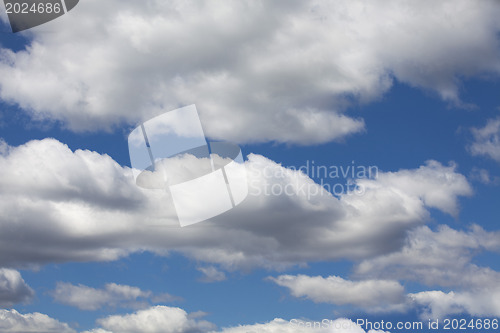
(409,89)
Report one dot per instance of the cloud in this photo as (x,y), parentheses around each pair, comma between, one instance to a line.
(13,289)
(158,319)
(477,303)
(433,258)
(483,176)
(83,206)
(112,295)
(165,320)
(258,71)
(422,183)
(487,140)
(442,257)
(14,322)
(279,325)
(372,295)
(212,274)
(311,225)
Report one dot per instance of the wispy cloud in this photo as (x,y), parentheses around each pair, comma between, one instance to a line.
(112,295)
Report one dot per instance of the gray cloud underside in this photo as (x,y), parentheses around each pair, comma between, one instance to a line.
(82,206)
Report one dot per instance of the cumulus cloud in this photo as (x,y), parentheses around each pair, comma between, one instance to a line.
(372,295)
(258,71)
(279,325)
(82,206)
(112,295)
(14,322)
(422,183)
(442,257)
(158,319)
(166,320)
(13,289)
(477,303)
(163,319)
(487,140)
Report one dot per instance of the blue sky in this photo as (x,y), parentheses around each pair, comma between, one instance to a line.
(333,83)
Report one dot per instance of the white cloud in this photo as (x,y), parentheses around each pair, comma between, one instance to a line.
(480,303)
(258,71)
(112,295)
(166,320)
(158,319)
(12,321)
(162,319)
(279,325)
(442,258)
(372,295)
(487,140)
(422,183)
(13,289)
(82,206)
(211,274)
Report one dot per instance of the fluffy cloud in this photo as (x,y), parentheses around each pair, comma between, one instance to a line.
(15,322)
(162,319)
(487,140)
(81,206)
(60,202)
(443,258)
(13,289)
(372,295)
(477,303)
(165,320)
(258,71)
(279,325)
(112,295)
(158,319)
(422,183)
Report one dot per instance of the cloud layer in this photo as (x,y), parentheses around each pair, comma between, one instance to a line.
(162,319)
(442,258)
(82,206)
(258,71)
